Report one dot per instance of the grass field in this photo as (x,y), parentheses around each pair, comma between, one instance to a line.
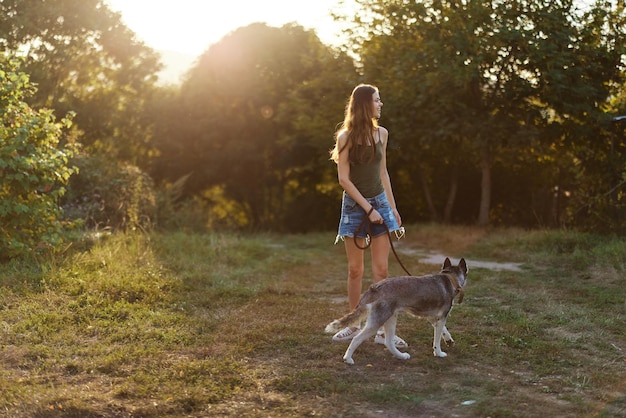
(199,325)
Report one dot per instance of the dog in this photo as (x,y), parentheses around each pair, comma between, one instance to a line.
(429,297)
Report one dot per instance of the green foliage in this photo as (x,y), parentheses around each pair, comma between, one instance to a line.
(84,59)
(497,110)
(513,92)
(34,167)
(600,178)
(110,194)
(255,119)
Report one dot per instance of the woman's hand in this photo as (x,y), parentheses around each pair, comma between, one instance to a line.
(375,217)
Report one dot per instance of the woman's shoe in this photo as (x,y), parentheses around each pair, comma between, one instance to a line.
(346,334)
(397,341)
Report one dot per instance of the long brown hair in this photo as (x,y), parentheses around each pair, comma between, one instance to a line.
(359,122)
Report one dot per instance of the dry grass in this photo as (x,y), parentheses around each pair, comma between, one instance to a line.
(213,325)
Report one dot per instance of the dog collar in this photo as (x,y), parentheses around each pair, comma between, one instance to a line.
(458,289)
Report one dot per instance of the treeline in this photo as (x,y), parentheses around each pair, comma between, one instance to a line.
(499,112)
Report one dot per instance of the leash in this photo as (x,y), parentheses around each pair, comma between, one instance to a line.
(368,238)
(368,241)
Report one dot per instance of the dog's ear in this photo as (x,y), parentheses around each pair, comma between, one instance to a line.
(447,263)
(463,266)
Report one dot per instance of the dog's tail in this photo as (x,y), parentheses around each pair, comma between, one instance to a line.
(353,318)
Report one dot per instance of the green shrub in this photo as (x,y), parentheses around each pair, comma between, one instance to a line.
(33,167)
(110,194)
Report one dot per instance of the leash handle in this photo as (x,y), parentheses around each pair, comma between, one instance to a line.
(368,238)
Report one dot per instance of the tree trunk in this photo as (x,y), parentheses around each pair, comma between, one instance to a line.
(454,185)
(485,188)
(556,206)
(434,217)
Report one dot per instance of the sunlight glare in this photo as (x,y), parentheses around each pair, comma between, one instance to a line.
(191,26)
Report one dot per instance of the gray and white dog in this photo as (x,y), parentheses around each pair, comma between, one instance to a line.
(429,297)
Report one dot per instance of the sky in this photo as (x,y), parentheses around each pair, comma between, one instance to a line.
(190,26)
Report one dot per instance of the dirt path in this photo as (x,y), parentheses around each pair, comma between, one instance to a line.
(437,259)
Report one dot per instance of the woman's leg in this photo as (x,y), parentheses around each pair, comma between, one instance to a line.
(380,271)
(355,280)
(355,270)
(380,257)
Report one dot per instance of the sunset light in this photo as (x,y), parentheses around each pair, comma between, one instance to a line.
(205,208)
(190,26)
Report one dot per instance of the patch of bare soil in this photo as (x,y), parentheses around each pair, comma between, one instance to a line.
(437,259)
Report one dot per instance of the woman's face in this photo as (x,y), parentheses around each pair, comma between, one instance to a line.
(377,103)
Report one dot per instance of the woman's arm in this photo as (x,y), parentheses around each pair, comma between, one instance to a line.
(384,175)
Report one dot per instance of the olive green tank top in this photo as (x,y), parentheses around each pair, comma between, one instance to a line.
(366,176)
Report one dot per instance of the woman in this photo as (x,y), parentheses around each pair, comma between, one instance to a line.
(360,154)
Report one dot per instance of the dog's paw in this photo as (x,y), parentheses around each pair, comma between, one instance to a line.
(447,337)
(439,354)
(404,356)
(449,342)
(348,360)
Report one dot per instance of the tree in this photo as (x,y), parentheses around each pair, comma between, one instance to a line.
(491,79)
(256,119)
(83,59)
(33,167)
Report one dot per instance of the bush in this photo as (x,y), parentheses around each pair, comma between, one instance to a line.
(110,194)
(33,167)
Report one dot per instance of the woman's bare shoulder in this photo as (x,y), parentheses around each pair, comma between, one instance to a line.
(384,133)
(342,137)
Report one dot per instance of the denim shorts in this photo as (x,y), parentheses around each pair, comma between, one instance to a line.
(352,216)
